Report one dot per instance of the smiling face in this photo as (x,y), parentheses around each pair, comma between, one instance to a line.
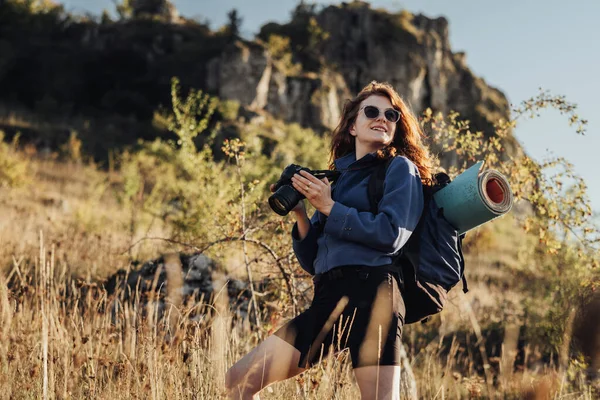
(372,134)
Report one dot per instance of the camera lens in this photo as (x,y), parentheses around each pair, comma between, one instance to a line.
(284,199)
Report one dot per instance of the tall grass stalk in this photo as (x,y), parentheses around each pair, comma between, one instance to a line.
(88,344)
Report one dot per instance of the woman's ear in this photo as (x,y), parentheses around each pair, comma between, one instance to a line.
(352,130)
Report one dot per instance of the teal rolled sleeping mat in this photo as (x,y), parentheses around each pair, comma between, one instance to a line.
(474,198)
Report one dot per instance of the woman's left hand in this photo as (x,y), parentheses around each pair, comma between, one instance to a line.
(316,191)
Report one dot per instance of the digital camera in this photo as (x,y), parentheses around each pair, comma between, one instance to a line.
(285,197)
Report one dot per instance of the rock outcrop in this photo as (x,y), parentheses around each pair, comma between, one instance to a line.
(123,68)
(155,8)
(182,280)
(246,72)
(412,52)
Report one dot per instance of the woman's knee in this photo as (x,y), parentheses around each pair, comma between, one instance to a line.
(271,361)
(241,382)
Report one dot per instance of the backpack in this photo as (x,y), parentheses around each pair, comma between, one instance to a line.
(431,262)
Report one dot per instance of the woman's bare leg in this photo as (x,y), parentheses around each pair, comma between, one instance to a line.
(272,360)
(378,382)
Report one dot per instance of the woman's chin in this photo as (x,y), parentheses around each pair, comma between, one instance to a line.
(385,141)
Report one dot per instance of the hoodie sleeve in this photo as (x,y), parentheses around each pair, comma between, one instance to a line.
(306,249)
(398,212)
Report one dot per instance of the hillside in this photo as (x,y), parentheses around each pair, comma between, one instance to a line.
(111,170)
(111,76)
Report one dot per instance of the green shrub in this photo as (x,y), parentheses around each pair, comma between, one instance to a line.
(279,47)
(558,262)
(13,166)
(229,109)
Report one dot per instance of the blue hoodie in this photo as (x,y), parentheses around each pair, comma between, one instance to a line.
(352,235)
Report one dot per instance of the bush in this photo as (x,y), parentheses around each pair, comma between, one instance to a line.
(13,166)
(558,260)
(279,47)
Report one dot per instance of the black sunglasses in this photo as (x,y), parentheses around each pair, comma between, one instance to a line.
(390,114)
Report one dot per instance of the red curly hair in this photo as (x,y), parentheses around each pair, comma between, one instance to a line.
(408,138)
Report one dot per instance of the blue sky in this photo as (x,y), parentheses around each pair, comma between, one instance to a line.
(517,46)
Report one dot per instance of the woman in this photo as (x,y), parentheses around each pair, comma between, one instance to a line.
(357,301)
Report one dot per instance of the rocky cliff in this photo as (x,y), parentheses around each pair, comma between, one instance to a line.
(359,45)
(122,68)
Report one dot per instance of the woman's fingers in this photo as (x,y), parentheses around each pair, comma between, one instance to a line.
(301,186)
(316,191)
(300,181)
(309,176)
(311,187)
(306,179)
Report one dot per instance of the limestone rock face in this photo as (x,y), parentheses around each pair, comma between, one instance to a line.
(246,72)
(410,52)
(310,101)
(323,58)
(242,72)
(413,54)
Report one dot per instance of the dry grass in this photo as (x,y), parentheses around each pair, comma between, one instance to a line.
(75,208)
(63,337)
(87,345)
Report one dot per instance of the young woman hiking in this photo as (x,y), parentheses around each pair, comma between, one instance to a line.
(357,300)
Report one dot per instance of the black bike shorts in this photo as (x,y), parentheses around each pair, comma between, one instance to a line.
(358,308)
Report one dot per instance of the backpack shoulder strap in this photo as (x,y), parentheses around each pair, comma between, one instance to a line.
(376,181)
